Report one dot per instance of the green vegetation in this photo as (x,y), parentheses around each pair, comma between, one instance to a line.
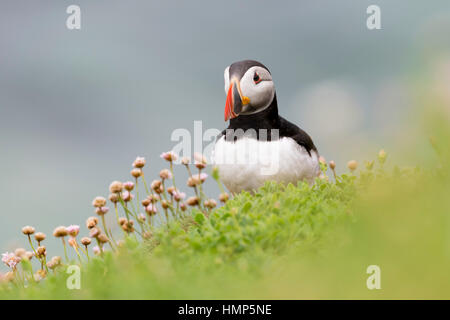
(287,242)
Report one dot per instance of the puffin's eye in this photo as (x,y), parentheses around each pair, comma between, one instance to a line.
(256,78)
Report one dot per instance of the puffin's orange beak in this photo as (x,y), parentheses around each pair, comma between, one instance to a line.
(235,101)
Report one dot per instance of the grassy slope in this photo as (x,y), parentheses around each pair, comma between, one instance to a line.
(290,242)
(287,242)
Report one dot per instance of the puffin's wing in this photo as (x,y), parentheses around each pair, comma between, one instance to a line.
(288,129)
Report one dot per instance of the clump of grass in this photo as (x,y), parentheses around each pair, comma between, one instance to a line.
(283,241)
(162,202)
(185,227)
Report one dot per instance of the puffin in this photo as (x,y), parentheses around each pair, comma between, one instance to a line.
(259,145)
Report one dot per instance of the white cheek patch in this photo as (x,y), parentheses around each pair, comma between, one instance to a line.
(261,94)
(226,76)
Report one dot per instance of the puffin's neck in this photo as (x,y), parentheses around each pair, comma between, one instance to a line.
(266,119)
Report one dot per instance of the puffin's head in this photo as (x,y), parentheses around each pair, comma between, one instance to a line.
(249,88)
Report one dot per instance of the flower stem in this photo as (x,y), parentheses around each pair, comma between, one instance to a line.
(145,182)
(65,249)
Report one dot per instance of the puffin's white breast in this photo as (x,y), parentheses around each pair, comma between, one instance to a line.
(248,163)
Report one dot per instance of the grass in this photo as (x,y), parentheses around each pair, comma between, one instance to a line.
(286,242)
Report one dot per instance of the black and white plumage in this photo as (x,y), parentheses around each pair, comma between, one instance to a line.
(258,144)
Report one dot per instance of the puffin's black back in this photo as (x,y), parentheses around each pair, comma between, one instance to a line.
(269,119)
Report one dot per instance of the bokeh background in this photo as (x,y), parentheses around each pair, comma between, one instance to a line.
(76,107)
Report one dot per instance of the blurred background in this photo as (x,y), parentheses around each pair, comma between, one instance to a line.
(77,106)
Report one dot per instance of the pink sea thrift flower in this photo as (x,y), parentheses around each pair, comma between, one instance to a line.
(185,161)
(72,242)
(127,196)
(128,185)
(73,230)
(178,196)
(96,250)
(139,162)
(202,176)
(151,208)
(169,156)
(101,211)
(199,158)
(10,259)
(165,174)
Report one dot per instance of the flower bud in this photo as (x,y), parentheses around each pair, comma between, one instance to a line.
(332,165)
(102,211)
(192,201)
(99,202)
(223,197)
(91,222)
(197,179)
(41,251)
(39,275)
(122,220)
(322,160)
(114,197)
(185,161)
(171,190)
(73,230)
(94,233)
(165,174)
(151,209)
(352,165)
(73,242)
(97,251)
(142,217)
(127,196)
(136,172)
(102,238)
(54,262)
(178,196)
(20,252)
(211,203)
(39,236)
(10,259)
(193,181)
(28,255)
(139,162)
(85,241)
(128,226)
(28,230)
(154,198)
(116,187)
(60,232)
(200,165)
(129,186)
(159,190)
(164,204)
(169,156)
(156,184)
(200,160)
(146,202)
